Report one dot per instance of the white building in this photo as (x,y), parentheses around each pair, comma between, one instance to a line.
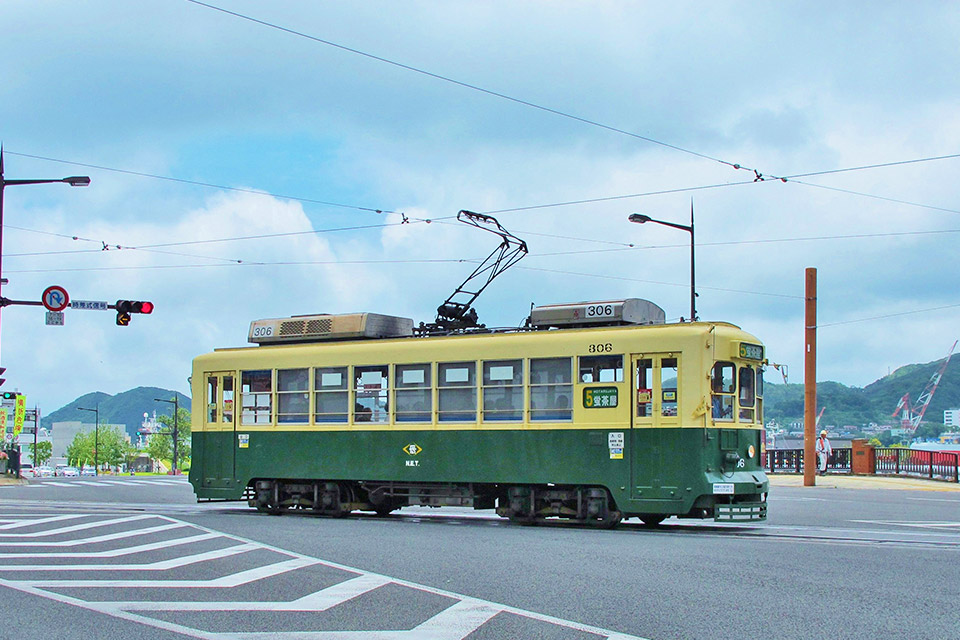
(951,418)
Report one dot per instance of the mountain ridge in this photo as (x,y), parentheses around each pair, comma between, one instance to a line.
(125,408)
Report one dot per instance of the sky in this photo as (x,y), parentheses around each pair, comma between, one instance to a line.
(262,165)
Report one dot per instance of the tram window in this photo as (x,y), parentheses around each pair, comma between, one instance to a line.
(747,396)
(724,385)
(255,397)
(331,394)
(644,378)
(293,396)
(211,398)
(601,369)
(371,394)
(551,388)
(723,380)
(503,390)
(759,419)
(412,383)
(668,387)
(227,413)
(457,393)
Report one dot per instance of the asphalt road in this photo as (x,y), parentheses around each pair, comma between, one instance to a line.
(138,558)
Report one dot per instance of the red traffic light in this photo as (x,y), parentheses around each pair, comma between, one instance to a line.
(126,307)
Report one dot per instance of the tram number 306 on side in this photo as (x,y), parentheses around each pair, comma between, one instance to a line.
(600,347)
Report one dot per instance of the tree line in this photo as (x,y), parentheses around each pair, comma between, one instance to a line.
(109,447)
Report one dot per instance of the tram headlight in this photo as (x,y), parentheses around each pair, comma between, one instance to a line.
(751,451)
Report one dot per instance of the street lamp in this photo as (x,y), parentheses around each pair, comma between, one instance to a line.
(73,181)
(640,219)
(176,415)
(96,440)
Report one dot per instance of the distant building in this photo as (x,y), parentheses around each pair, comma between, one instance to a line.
(65,432)
(951,418)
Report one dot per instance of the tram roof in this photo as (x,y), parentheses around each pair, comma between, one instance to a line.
(680,330)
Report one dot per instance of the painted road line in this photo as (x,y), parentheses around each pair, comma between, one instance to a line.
(160,565)
(233,580)
(318,601)
(917,524)
(29,523)
(456,622)
(78,527)
(114,553)
(98,539)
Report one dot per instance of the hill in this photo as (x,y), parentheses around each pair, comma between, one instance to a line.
(125,408)
(873,403)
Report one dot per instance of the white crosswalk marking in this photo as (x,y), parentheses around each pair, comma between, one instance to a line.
(19,540)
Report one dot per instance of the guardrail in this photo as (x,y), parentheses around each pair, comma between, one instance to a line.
(936,465)
(792,460)
(942,465)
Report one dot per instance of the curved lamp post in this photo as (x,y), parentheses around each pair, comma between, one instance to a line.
(640,218)
(96,440)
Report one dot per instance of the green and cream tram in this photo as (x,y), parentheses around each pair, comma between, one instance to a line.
(595,412)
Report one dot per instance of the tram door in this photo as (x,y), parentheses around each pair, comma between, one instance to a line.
(220,430)
(655,414)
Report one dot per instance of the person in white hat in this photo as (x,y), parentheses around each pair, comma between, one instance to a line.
(823,452)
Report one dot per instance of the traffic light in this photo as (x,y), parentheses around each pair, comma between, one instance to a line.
(126,307)
(10,395)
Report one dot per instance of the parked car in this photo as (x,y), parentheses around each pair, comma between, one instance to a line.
(58,471)
(43,472)
(88,471)
(26,469)
(70,472)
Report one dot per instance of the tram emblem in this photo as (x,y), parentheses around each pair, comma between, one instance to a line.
(412,449)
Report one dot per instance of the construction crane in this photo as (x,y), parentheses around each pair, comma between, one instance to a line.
(910,416)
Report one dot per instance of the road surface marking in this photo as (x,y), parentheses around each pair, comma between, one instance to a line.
(457,621)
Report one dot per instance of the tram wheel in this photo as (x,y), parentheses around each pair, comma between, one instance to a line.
(611,520)
(652,519)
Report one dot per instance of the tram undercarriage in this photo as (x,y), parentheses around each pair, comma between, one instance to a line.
(523,504)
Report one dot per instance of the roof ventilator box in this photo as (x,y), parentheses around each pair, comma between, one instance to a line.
(593,314)
(348,326)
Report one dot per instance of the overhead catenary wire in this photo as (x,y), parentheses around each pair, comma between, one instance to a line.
(886,316)
(206,184)
(467,85)
(758,175)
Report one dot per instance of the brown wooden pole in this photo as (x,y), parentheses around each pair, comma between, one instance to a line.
(810,382)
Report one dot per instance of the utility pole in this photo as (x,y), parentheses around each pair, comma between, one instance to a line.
(810,381)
